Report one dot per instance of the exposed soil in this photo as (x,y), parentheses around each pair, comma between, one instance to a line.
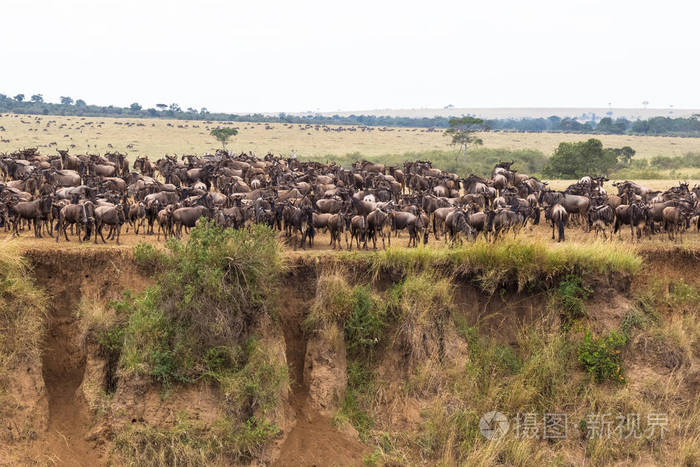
(63,368)
(314,440)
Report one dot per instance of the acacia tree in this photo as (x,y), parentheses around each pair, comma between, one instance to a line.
(574,160)
(463,132)
(223,134)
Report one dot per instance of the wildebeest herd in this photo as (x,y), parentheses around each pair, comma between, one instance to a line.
(53,194)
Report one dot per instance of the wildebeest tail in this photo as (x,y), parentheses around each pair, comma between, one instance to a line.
(560,225)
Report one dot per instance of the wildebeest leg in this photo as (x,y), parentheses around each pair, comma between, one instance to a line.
(119,228)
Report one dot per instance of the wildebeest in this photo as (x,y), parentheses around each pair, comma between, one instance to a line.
(558,215)
(81,215)
(109,215)
(635,215)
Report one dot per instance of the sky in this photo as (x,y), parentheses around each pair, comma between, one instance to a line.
(284,56)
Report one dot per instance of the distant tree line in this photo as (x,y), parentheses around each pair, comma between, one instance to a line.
(666,126)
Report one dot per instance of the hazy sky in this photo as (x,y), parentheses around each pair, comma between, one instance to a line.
(301,55)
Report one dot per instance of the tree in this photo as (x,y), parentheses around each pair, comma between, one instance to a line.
(175,108)
(37,98)
(65,100)
(19,97)
(574,160)
(162,106)
(80,103)
(223,134)
(463,132)
(152,112)
(135,107)
(203,111)
(625,155)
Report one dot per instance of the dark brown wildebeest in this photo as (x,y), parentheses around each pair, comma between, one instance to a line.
(81,215)
(635,215)
(379,223)
(676,220)
(600,218)
(330,205)
(338,224)
(299,219)
(187,217)
(358,231)
(574,204)
(145,166)
(478,221)
(108,215)
(63,178)
(137,217)
(439,218)
(165,221)
(456,223)
(558,215)
(502,220)
(32,211)
(415,224)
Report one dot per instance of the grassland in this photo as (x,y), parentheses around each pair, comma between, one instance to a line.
(155,137)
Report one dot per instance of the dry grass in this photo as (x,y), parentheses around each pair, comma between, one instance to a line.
(22,309)
(22,325)
(155,138)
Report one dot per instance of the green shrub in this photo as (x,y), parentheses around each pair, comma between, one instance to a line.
(601,356)
(680,293)
(479,161)
(569,299)
(147,257)
(193,322)
(360,389)
(365,326)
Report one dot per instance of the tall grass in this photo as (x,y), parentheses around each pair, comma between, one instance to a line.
(22,309)
(209,293)
(520,262)
(199,323)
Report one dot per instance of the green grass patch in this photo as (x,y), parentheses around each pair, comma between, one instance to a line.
(358,397)
(209,292)
(600,356)
(521,262)
(569,300)
(148,258)
(365,326)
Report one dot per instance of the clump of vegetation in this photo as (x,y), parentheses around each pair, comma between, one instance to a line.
(478,160)
(519,262)
(197,323)
(333,302)
(420,305)
(569,299)
(601,357)
(211,291)
(358,396)
(576,159)
(147,257)
(190,442)
(365,326)
(22,317)
(22,308)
